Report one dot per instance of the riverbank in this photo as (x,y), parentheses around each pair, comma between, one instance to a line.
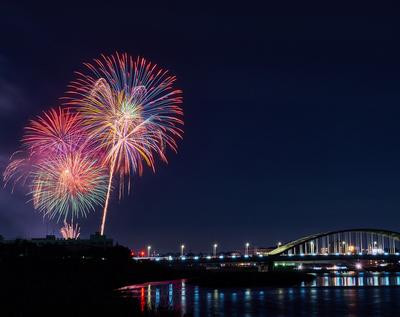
(86,287)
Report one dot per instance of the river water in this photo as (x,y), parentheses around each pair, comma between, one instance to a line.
(341,294)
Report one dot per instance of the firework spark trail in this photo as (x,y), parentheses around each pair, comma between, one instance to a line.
(131,110)
(103,219)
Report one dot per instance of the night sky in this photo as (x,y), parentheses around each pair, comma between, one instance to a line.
(291,117)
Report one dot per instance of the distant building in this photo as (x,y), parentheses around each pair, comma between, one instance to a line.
(95,240)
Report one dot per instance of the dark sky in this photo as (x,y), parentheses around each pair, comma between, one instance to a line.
(291,116)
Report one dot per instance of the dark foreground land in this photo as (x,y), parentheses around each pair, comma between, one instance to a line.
(50,281)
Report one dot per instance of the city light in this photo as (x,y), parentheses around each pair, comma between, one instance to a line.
(342,248)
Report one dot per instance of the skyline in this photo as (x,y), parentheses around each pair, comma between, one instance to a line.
(289,128)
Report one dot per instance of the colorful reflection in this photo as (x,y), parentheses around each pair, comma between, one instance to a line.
(187,299)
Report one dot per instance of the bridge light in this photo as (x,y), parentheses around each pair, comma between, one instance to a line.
(182,248)
(221,257)
(215,249)
(300,267)
(208,257)
(148,250)
(279,244)
(246,250)
(196,258)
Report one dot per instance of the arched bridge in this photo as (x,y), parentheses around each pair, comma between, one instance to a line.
(350,241)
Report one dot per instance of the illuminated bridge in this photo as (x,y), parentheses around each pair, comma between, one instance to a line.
(345,242)
(347,249)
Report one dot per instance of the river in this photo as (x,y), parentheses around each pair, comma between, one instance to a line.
(340,294)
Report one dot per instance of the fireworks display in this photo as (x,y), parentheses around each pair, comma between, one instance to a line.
(121,114)
(131,110)
(56,131)
(57,163)
(70,231)
(68,186)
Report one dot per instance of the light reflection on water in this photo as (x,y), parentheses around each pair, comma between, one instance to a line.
(352,279)
(345,294)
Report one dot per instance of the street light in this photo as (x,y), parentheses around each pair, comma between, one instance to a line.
(279,244)
(246,253)
(215,249)
(148,250)
(182,248)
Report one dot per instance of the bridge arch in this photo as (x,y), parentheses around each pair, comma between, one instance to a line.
(361,240)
